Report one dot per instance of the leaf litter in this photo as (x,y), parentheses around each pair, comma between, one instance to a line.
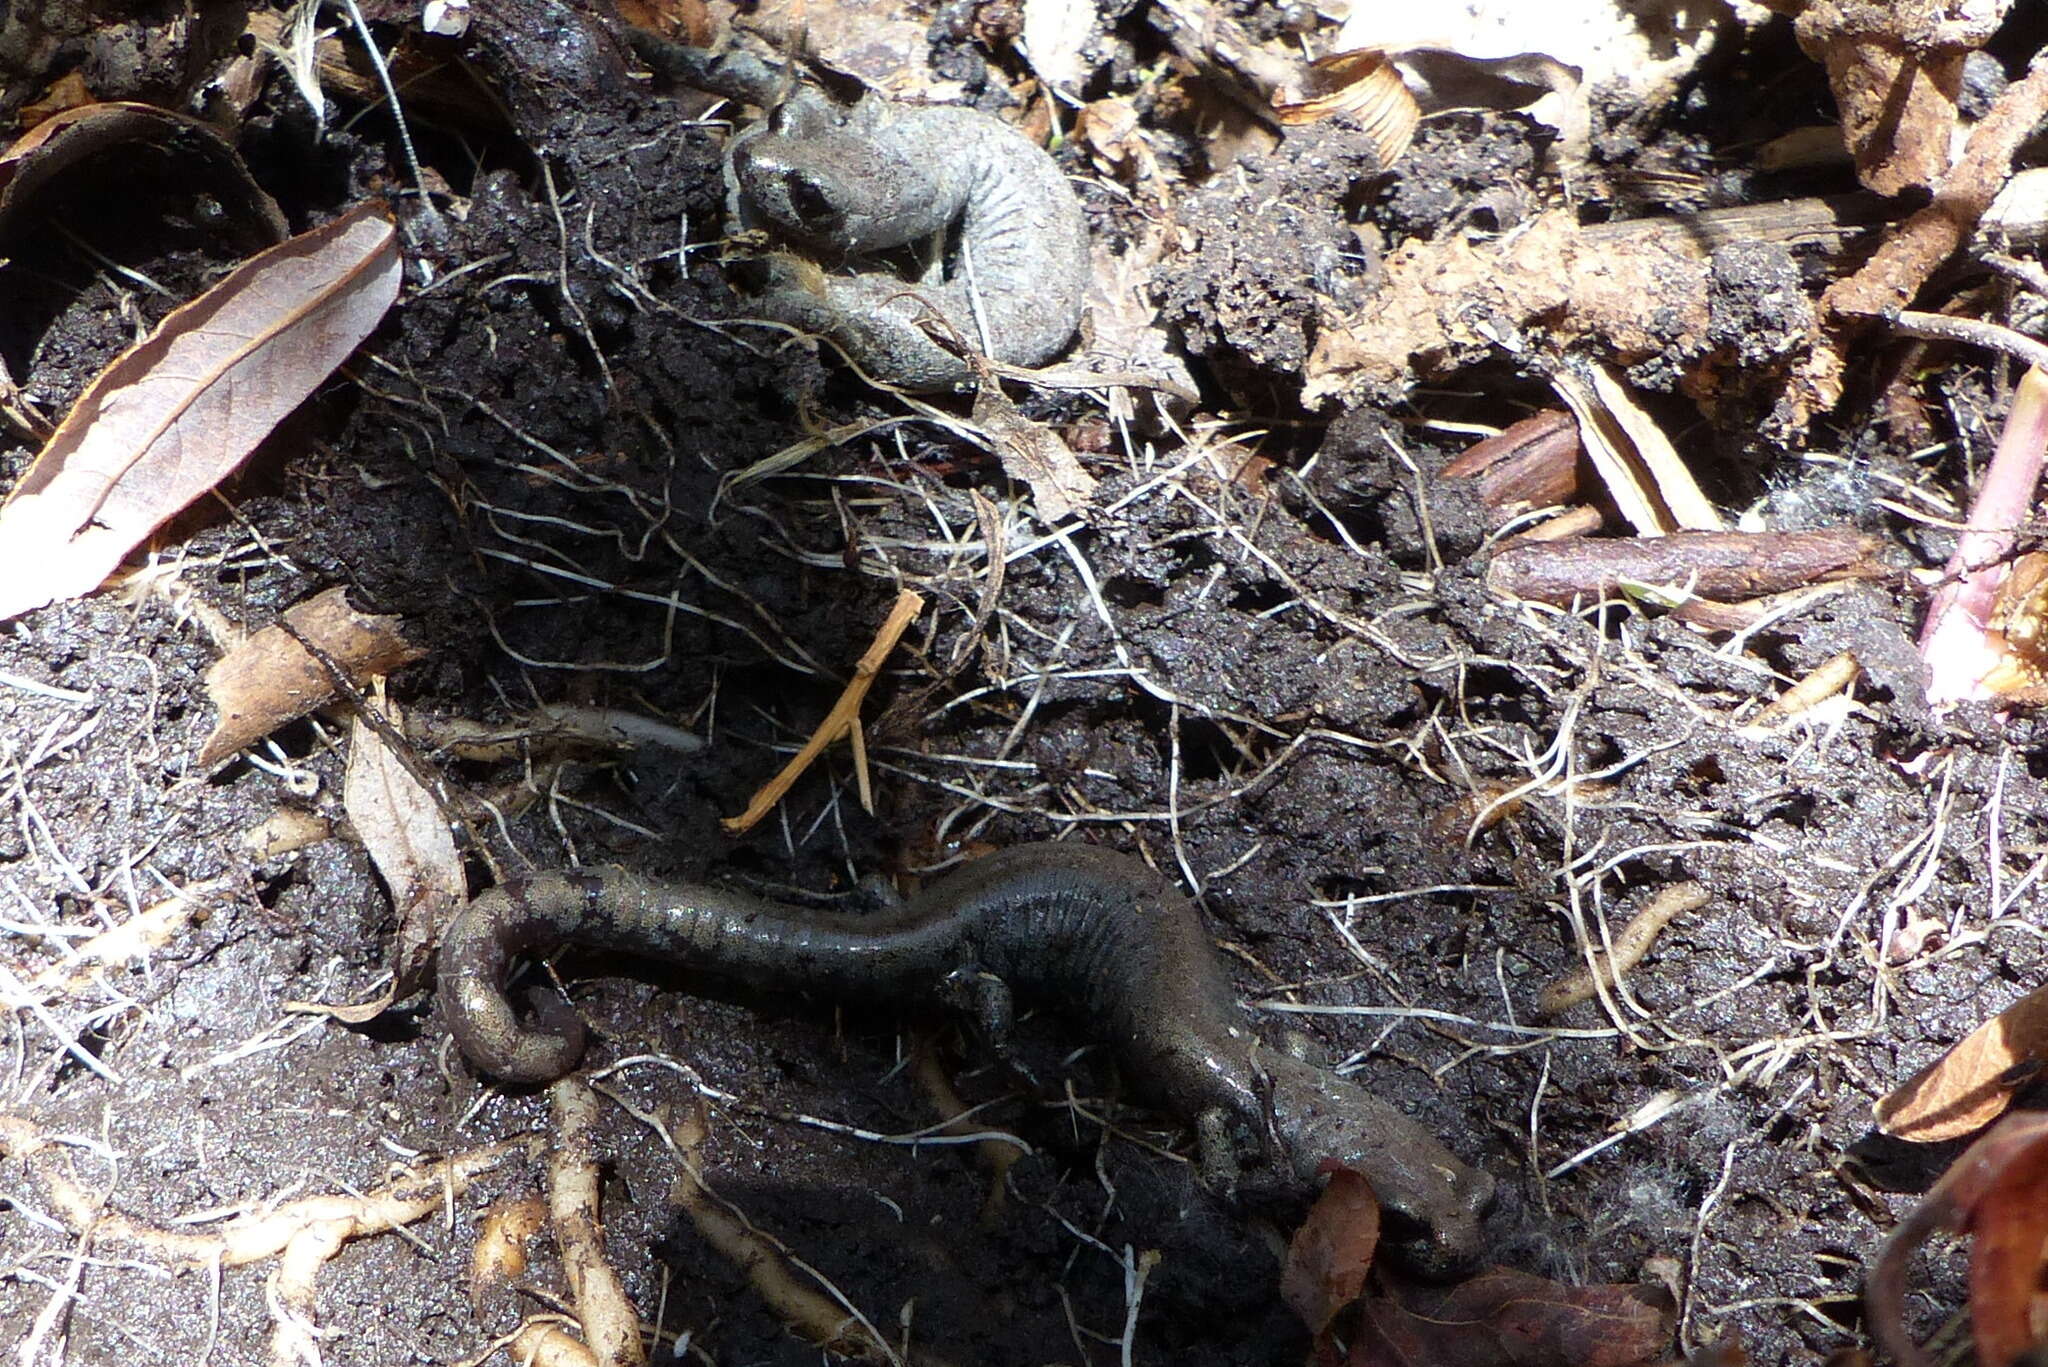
(1259,649)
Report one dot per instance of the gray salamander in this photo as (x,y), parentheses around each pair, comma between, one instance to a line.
(844,181)
(1093,931)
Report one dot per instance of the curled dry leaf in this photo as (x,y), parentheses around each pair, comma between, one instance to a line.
(407,835)
(1365,86)
(1998,1192)
(175,414)
(1971,1085)
(1330,1254)
(119,132)
(1034,453)
(270,678)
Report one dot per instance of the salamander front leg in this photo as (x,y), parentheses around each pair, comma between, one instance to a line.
(986,1001)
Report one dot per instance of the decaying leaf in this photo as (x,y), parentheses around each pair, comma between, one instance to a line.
(1504,1318)
(1971,1085)
(1643,474)
(1055,31)
(1998,1192)
(1448,303)
(1556,52)
(270,678)
(407,835)
(175,414)
(119,132)
(1034,453)
(1328,1257)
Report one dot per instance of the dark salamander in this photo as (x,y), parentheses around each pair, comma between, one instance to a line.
(1094,932)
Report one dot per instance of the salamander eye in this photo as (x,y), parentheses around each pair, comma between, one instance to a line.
(810,202)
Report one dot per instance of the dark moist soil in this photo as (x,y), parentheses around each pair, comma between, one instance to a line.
(1287,694)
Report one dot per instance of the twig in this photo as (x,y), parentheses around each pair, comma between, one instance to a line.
(1940,327)
(841,719)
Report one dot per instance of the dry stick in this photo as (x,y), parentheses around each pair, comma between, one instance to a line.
(840,720)
(611,1327)
(1939,327)
(1717,565)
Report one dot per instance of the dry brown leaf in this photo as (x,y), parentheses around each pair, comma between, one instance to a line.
(2009,1229)
(1971,1085)
(1328,1257)
(408,838)
(686,21)
(1033,453)
(117,132)
(1505,1318)
(1365,86)
(270,678)
(175,414)
(68,91)
(1998,1191)
(1125,336)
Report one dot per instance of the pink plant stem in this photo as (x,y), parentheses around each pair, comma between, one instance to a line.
(1953,641)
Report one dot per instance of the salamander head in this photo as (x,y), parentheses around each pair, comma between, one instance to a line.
(833,192)
(1433,1204)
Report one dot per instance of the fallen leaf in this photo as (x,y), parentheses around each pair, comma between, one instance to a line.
(1998,1191)
(1033,453)
(1330,1254)
(1504,1318)
(270,678)
(1365,86)
(2009,1228)
(117,131)
(68,91)
(408,838)
(175,414)
(1971,1085)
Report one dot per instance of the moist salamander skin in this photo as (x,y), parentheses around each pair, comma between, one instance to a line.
(1095,933)
(841,181)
